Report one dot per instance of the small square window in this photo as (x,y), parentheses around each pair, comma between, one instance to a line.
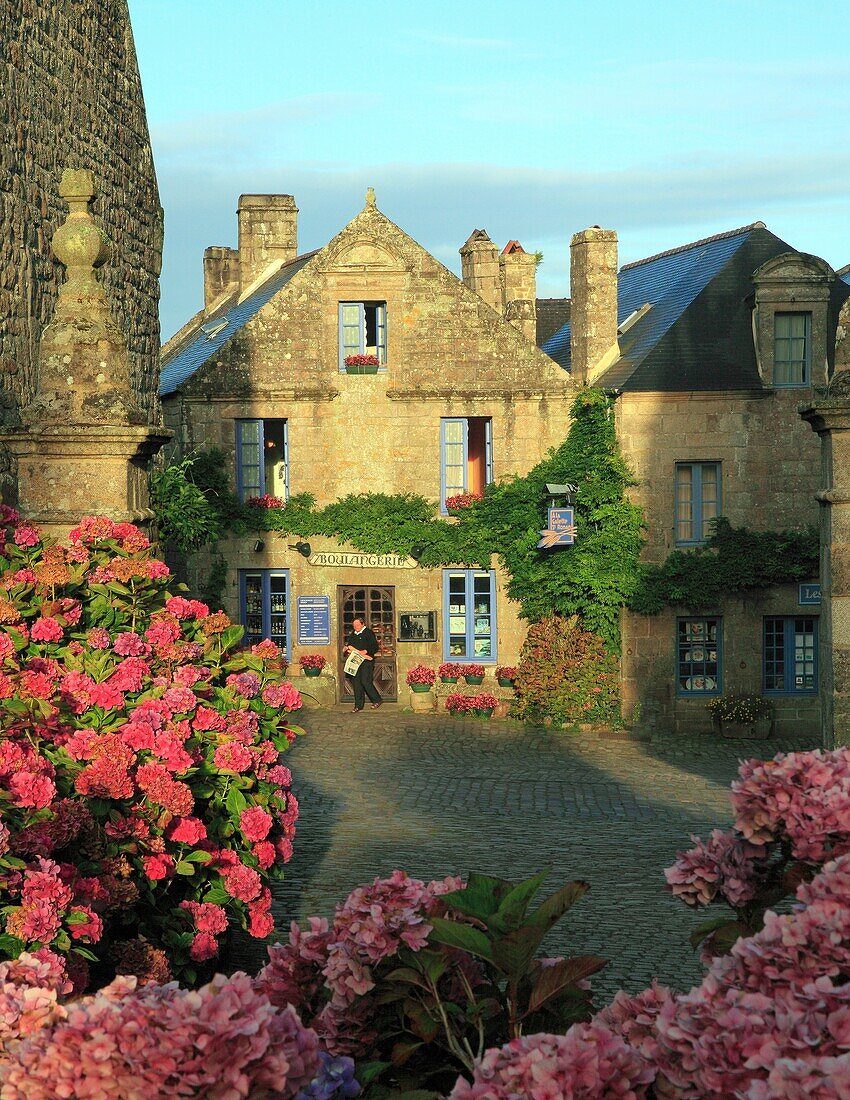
(697,501)
(362,331)
(698,657)
(792,353)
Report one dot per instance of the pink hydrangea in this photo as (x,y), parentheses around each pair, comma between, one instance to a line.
(26,536)
(187,830)
(206,916)
(255,823)
(232,756)
(98,638)
(725,865)
(590,1062)
(46,629)
(242,882)
(284,695)
(130,644)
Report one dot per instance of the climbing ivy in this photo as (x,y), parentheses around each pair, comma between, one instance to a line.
(593,579)
(733,560)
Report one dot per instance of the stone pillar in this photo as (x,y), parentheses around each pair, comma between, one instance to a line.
(268,231)
(84,446)
(593,290)
(830,418)
(518,281)
(479,259)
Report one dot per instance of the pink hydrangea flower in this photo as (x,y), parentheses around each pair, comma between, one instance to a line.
(255,823)
(242,882)
(284,695)
(46,629)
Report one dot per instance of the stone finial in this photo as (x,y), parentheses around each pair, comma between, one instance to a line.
(370,198)
(78,243)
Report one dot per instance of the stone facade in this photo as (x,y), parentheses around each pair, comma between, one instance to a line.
(448,354)
(70,95)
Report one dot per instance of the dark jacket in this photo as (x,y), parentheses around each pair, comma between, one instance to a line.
(364,640)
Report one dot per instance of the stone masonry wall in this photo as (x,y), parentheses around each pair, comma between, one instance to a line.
(770,474)
(70,95)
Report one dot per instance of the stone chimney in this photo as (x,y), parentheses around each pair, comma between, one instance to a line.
(479,259)
(268,231)
(593,289)
(221,273)
(518,282)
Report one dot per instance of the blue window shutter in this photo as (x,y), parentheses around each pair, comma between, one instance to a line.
(488,451)
(382,334)
(250,474)
(454,457)
(352,330)
(286,465)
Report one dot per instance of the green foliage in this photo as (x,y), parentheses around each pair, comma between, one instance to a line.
(185,517)
(440,998)
(734,560)
(566,674)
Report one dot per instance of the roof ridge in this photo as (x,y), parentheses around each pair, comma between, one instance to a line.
(695,244)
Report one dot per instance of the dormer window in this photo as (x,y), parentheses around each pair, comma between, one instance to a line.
(792,349)
(362,331)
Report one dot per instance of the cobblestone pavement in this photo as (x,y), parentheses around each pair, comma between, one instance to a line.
(438,795)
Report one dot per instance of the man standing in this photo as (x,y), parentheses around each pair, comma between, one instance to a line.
(363,641)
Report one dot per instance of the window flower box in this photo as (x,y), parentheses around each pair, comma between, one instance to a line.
(484,704)
(361,364)
(421,678)
(749,716)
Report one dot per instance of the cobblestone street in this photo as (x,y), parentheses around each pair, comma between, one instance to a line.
(435,795)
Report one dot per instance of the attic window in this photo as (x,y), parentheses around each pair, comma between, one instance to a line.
(211,329)
(634,316)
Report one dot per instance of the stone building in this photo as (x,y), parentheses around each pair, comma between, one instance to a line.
(460,395)
(70,96)
(710,349)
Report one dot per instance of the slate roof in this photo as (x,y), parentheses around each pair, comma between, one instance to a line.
(207,339)
(552,315)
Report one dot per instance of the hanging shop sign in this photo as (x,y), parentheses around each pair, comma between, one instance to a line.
(314,620)
(560,530)
(340,559)
(809,594)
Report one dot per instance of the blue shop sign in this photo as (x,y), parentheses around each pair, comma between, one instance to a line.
(809,594)
(561,529)
(314,620)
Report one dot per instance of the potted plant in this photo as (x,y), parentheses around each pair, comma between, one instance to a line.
(460,501)
(449,673)
(312,664)
(484,704)
(457,704)
(361,364)
(506,675)
(742,715)
(421,678)
(473,674)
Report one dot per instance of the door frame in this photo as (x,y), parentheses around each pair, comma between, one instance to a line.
(346,695)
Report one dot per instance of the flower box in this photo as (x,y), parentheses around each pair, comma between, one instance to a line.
(312,664)
(449,673)
(448,679)
(419,688)
(506,676)
(361,364)
(421,678)
(760,728)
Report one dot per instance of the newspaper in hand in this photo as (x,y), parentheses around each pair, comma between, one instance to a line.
(352,662)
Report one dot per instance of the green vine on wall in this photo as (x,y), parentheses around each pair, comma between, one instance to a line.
(594,578)
(733,560)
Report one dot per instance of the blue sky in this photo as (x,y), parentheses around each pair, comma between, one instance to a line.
(665,121)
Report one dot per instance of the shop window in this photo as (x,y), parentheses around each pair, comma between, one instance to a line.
(698,657)
(792,343)
(362,330)
(697,500)
(469,615)
(264,606)
(466,456)
(790,655)
(262,458)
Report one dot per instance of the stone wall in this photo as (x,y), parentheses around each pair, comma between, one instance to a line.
(770,474)
(70,95)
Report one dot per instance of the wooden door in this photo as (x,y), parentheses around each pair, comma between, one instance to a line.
(375,605)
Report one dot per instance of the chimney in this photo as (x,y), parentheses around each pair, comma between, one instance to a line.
(518,283)
(593,289)
(268,231)
(479,259)
(221,273)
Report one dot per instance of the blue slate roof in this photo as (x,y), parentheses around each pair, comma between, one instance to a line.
(669,283)
(211,335)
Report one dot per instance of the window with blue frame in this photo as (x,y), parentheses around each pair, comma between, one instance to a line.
(698,656)
(264,606)
(466,456)
(697,500)
(262,458)
(469,615)
(362,330)
(792,349)
(791,654)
